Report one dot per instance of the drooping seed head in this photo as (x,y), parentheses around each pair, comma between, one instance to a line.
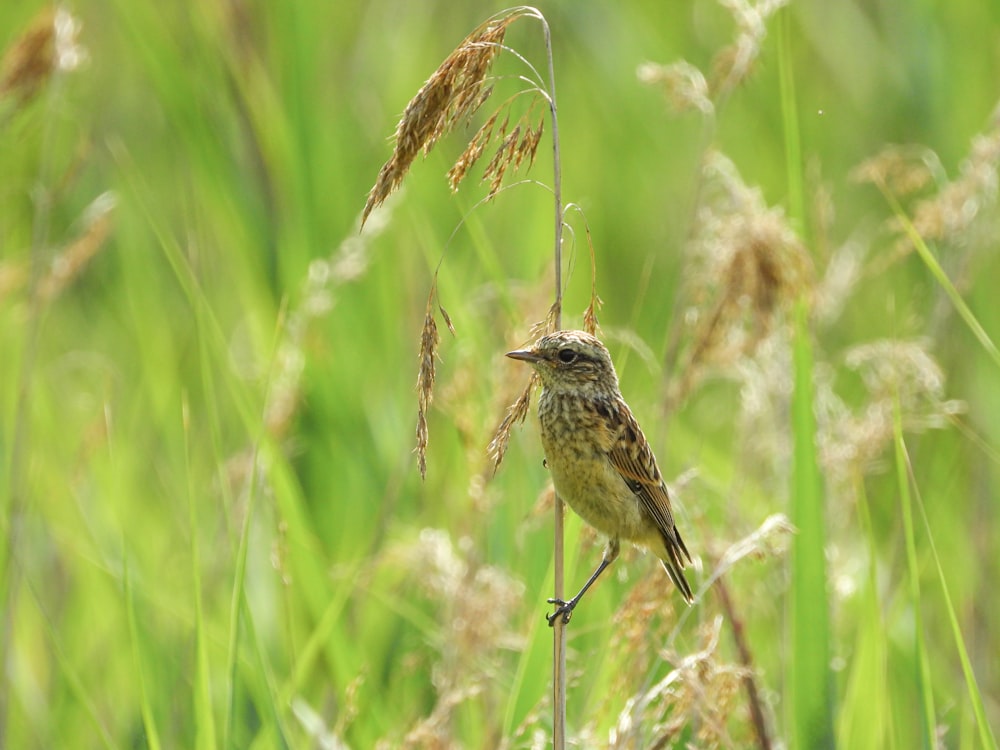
(571,361)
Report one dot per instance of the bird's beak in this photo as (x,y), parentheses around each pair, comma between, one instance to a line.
(525,355)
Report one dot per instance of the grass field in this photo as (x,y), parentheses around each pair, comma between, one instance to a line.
(214,530)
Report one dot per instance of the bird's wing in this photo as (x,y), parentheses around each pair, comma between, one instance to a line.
(634,461)
(632,458)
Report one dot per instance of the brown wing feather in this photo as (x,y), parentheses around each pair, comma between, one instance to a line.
(634,461)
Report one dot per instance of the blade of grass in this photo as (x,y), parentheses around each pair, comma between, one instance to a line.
(866,715)
(205,736)
(927,712)
(146,707)
(810,689)
(941,277)
(986,737)
(235,605)
(790,122)
(273,732)
(76,688)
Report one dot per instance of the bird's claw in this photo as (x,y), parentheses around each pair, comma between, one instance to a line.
(564,608)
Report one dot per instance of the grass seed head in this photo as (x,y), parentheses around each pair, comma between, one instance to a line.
(684,85)
(49,45)
(516,413)
(746,265)
(450,96)
(429,340)
(75,257)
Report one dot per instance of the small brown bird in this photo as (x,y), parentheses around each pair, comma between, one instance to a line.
(600,461)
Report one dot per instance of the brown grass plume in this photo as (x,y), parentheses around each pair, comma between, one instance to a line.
(453,93)
(48,45)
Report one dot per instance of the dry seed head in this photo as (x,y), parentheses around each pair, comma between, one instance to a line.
(473,152)
(700,692)
(504,156)
(47,46)
(902,170)
(840,277)
(903,368)
(474,604)
(590,324)
(770,539)
(949,215)
(72,261)
(734,63)
(745,265)
(429,340)
(852,441)
(28,63)
(447,319)
(450,96)
(516,412)
(548,324)
(683,83)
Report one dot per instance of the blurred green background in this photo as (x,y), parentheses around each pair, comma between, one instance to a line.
(214,531)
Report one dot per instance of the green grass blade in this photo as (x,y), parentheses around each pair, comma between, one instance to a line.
(236,609)
(942,278)
(790,123)
(75,685)
(205,734)
(146,707)
(986,736)
(866,715)
(810,688)
(927,713)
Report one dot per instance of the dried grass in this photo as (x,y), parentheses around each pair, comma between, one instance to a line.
(590,324)
(894,373)
(688,88)
(951,212)
(47,46)
(734,63)
(474,605)
(683,83)
(515,146)
(699,693)
(71,262)
(429,340)
(518,410)
(903,170)
(450,97)
(745,266)
(427,374)
(453,93)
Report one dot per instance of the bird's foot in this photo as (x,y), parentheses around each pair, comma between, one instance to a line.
(564,608)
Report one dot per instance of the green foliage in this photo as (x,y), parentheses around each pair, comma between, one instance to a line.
(810,709)
(213,528)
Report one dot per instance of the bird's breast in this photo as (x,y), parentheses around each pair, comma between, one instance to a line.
(577,435)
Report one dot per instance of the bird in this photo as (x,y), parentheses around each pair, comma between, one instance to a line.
(600,461)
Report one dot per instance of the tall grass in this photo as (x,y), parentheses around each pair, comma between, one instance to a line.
(214,532)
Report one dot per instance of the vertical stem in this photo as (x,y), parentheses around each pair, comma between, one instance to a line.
(790,122)
(559,628)
(746,659)
(810,705)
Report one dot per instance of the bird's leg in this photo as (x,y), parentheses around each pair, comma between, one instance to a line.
(565,608)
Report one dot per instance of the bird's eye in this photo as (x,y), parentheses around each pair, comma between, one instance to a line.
(567,356)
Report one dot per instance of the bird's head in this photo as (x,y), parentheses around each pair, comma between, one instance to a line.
(571,361)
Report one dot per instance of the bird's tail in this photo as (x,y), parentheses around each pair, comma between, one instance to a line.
(672,556)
